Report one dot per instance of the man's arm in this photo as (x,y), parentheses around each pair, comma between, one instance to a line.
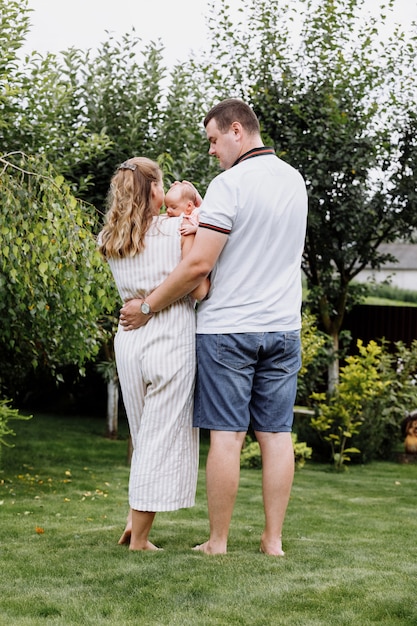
(202,289)
(198,263)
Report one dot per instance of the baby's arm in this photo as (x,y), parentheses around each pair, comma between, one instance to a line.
(187,227)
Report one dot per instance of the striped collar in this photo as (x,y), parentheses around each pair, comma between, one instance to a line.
(253,153)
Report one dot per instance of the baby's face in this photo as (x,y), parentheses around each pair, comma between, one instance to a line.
(175,204)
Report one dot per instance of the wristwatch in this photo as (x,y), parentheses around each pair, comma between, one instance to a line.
(145,308)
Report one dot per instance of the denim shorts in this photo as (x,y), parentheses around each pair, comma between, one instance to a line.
(247,378)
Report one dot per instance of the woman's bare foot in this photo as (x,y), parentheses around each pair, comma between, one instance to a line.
(142,546)
(272,548)
(125,538)
(207,548)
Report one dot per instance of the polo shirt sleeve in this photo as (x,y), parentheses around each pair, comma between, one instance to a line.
(218,210)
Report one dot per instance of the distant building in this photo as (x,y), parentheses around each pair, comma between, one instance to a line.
(402,274)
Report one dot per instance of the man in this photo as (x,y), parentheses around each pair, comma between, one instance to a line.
(250,238)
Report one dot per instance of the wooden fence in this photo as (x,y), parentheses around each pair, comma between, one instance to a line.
(393,323)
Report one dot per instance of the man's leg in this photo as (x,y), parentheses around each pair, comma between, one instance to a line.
(277,477)
(222,482)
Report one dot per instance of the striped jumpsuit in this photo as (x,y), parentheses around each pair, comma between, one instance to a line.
(156,368)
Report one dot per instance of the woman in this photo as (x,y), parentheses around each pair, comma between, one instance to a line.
(156,363)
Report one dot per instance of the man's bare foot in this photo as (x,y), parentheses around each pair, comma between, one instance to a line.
(273,548)
(207,548)
(146,546)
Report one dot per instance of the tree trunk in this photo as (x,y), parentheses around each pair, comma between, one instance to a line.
(333,369)
(112,407)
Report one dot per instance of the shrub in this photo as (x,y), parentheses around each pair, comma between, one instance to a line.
(250,456)
(363,416)
(382,418)
(340,415)
(314,358)
(7,414)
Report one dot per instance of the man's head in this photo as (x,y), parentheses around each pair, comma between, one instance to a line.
(233,110)
(232,129)
(180,199)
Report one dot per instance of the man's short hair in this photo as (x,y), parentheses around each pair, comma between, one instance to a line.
(233,110)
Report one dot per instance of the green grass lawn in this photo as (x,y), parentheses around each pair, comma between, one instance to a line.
(387,302)
(350,542)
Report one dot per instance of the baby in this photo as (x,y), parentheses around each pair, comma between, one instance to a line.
(183,199)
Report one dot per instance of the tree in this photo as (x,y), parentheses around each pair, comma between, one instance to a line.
(120,89)
(184,147)
(41,105)
(13,28)
(54,288)
(336,100)
(89,111)
(55,291)
(84,113)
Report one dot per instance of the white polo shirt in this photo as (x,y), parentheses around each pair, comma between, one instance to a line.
(261,203)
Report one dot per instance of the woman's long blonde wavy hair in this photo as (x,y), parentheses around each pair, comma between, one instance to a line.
(129,212)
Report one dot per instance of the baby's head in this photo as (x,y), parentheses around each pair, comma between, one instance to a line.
(180,199)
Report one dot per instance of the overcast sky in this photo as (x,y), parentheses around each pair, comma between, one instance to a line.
(58,25)
(180,24)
